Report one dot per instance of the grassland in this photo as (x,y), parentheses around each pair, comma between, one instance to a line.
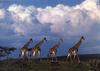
(44,65)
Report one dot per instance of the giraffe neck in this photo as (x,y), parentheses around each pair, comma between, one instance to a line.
(27,44)
(80,42)
(39,43)
(56,45)
(77,45)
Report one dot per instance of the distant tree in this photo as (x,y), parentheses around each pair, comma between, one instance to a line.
(5,51)
(2,53)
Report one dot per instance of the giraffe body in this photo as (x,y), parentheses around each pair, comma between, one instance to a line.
(35,51)
(53,50)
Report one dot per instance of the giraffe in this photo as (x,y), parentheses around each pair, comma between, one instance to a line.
(24,49)
(73,51)
(53,50)
(36,50)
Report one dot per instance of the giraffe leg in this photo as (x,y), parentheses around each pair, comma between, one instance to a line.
(74,58)
(68,56)
(74,55)
(33,54)
(48,56)
(39,55)
(71,58)
(27,55)
(22,54)
(78,58)
(56,57)
(52,57)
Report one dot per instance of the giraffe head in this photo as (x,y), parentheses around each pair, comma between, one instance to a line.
(61,39)
(82,37)
(31,39)
(45,39)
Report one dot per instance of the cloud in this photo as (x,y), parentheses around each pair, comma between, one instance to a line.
(61,19)
(72,21)
(21,13)
(24,22)
(2,13)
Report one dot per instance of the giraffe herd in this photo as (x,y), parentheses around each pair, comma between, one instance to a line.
(52,53)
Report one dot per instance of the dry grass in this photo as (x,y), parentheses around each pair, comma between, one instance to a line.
(31,65)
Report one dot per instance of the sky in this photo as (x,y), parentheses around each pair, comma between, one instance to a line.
(67,19)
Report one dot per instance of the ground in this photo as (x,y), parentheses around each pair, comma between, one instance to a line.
(44,65)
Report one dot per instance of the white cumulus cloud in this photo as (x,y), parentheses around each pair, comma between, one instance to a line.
(2,13)
(73,21)
(21,13)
